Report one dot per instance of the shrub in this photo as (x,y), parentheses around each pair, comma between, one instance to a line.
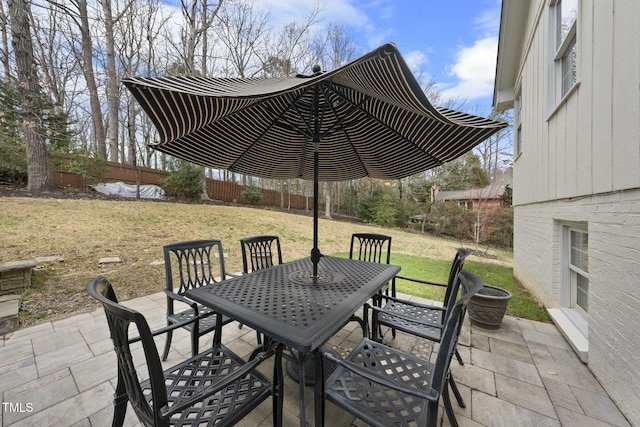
(251,194)
(84,163)
(184,180)
(13,162)
(384,208)
(501,228)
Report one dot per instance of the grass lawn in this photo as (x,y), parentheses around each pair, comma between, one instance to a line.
(83,231)
(437,270)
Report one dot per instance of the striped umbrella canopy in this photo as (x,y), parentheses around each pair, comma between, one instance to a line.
(369,117)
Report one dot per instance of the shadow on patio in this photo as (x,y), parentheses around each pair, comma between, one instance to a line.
(63,373)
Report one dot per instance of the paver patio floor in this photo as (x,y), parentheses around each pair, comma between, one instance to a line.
(63,373)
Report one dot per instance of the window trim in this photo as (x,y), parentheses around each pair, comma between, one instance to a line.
(517,126)
(556,99)
(574,312)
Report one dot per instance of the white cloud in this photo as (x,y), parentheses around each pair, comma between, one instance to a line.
(474,70)
(475,66)
(415,60)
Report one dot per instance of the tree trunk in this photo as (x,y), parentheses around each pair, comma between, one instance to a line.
(112,83)
(89,75)
(5,42)
(39,176)
(327,200)
(131,132)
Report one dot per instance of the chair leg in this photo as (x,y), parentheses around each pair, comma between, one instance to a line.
(446,400)
(460,361)
(278,394)
(195,343)
(355,318)
(120,400)
(456,392)
(318,390)
(167,345)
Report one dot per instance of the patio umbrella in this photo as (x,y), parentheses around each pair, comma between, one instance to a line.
(369,117)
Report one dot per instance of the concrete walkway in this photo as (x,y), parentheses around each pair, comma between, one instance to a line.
(63,373)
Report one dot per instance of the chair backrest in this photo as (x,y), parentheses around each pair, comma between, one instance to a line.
(192,264)
(470,284)
(119,319)
(453,284)
(258,252)
(370,247)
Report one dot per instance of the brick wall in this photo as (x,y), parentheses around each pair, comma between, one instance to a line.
(614,280)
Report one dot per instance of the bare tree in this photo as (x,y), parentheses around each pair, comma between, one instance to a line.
(335,49)
(113,86)
(495,152)
(291,52)
(241,30)
(4,49)
(39,176)
(78,13)
(59,70)
(199,16)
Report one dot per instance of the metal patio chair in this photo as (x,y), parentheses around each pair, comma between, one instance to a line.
(415,318)
(371,247)
(215,387)
(422,320)
(189,265)
(384,386)
(257,254)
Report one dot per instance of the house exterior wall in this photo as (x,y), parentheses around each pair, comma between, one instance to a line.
(614,277)
(580,163)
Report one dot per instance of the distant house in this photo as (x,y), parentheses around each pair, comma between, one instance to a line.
(570,69)
(474,198)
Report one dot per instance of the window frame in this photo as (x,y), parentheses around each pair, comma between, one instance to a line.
(517,125)
(569,286)
(561,50)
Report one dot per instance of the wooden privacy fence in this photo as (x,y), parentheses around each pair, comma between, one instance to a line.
(217,190)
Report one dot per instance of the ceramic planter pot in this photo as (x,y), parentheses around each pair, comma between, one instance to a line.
(486,308)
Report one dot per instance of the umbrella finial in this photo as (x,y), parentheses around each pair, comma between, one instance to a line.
(316,69)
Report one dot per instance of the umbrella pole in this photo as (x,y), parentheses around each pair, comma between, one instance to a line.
(315,252)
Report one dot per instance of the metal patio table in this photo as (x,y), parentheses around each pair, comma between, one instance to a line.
(287,304)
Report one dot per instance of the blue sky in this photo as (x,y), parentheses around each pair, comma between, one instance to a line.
(452,41)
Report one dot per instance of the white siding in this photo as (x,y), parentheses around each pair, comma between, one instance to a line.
(625,94)
(591,143)
(580,162)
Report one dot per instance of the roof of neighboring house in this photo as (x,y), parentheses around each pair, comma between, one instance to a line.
(491,191)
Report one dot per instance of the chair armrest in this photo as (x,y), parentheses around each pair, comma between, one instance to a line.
(165,329)
(412,303)
(411,319)
(431,395)
(182,299)
(424,282)
(200,395)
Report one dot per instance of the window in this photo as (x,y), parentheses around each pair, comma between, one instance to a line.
(517,120)
(579,270)
(564,15)
(575,286)
(466,204)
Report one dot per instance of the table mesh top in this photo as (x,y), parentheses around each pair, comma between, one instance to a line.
(286,296)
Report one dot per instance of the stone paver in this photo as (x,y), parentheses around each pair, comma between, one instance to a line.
(524,394)
(63,373)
